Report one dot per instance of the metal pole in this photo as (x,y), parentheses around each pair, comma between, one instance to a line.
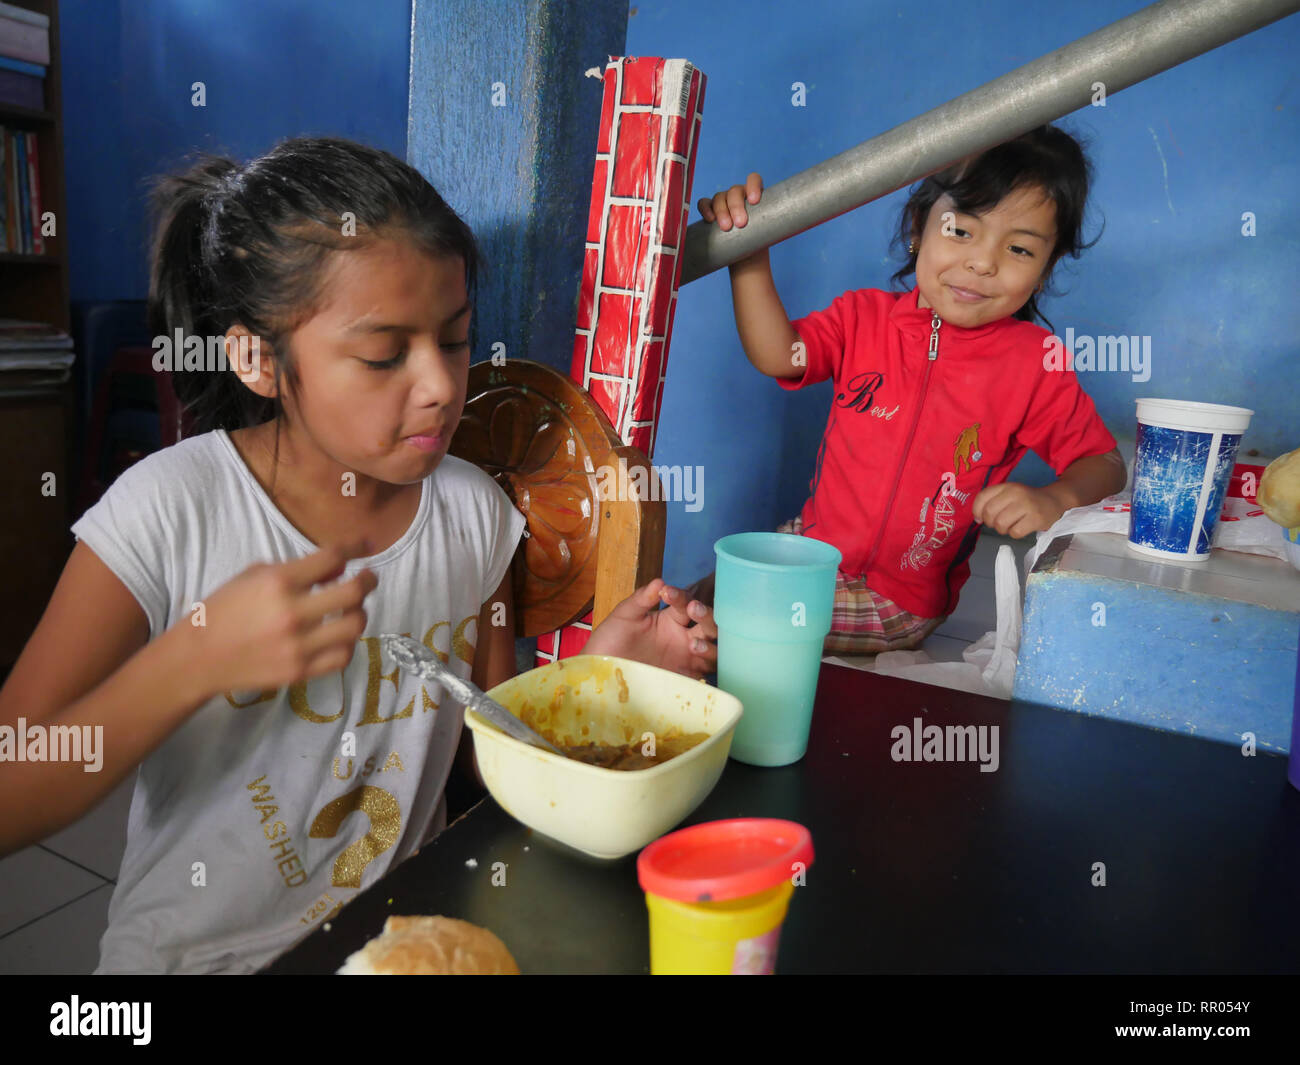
(1119,55)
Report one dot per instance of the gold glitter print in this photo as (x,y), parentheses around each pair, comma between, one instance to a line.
(385,824)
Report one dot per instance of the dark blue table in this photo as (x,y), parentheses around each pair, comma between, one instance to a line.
(924,866)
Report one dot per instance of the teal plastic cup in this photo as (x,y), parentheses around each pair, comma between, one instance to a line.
(772,603)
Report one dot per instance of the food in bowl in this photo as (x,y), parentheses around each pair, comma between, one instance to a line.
(556,722)
(634,753)
(595,701)
(629,757)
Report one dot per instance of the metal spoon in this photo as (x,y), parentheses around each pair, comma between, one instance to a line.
(413,657)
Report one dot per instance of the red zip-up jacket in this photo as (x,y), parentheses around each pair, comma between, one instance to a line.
(921,421)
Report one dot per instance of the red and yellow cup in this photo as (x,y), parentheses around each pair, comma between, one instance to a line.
(718,893)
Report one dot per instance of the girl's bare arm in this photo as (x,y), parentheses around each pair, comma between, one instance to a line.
(89,663)
(1089,480)
(88,666)
(766,334)
(1017,510)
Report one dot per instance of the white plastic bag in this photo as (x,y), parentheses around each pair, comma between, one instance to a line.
(996,652)
(1242,527)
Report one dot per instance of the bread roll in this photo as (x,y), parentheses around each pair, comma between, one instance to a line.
(431,946)
(1279,490)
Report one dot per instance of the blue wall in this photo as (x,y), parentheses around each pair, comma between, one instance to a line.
(1172,263)
(517,168)
(272,70)
(1179,159)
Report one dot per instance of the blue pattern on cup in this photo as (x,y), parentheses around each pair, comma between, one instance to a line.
(1222,478)
(1167,477)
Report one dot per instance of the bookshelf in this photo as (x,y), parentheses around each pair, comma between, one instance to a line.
(36,286)
(36,424)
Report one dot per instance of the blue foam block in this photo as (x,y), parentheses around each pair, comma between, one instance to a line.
(1172,658)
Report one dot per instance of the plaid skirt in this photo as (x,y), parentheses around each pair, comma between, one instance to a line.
(864,622)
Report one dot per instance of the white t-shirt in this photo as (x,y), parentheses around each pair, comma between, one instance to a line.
(256,786)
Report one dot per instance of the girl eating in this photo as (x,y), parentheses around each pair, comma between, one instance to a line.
(220,614)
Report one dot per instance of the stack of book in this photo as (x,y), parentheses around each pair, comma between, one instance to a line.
(20,210)
(33,355)
(24,56)
(24,60)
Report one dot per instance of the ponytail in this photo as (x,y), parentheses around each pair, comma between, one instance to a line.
(183,294)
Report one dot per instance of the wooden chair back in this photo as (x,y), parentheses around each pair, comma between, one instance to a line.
(589,542)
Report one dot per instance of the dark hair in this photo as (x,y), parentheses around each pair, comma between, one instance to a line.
(1046,158)
(249,245)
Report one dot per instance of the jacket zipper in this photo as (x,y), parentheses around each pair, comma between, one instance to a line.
(932,355)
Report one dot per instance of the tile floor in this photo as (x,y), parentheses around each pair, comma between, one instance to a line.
(54,896)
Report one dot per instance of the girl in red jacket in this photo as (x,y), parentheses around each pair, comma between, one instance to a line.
(940,390)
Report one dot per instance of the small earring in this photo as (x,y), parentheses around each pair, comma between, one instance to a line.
(911,247)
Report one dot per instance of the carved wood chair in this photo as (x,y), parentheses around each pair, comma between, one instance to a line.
(545,441)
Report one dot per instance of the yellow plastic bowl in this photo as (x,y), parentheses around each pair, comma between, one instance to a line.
(605,813)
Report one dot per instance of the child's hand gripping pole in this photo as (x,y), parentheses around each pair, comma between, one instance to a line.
(766,334)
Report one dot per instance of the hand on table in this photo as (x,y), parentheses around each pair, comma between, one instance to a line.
(681,636)
(1017,510)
